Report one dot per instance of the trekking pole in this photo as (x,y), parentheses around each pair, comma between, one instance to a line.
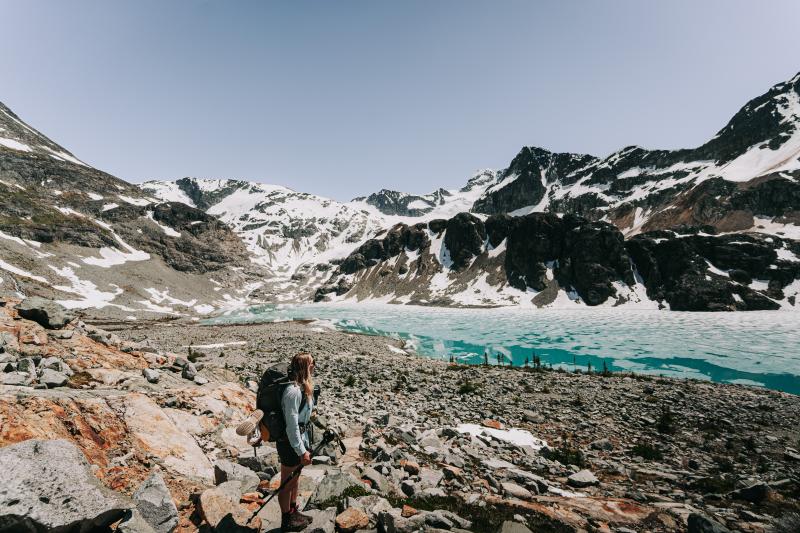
(327,437)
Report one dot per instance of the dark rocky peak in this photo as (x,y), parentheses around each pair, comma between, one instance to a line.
(206,193)
(480,180)
(464,237)
(768,119)
(525,181)
(399,203)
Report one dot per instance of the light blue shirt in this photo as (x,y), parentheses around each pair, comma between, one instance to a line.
(290,401)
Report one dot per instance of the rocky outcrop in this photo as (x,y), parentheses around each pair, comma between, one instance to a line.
(48,485)
(675,269)
(689,271)
(47,313)
(464,238)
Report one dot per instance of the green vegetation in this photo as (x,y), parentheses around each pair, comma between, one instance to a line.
(353,491)
(666,422)
(349,381)
(645,450)
(467,387)
(566,454)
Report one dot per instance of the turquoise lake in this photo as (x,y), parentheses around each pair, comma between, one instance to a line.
(756,348)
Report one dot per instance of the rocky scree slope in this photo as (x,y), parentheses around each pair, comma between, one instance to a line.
(548,450)
(544,260)
(74,233)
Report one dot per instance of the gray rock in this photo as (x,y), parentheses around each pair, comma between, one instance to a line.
(378,480)
(408,487)
(48,484)
(438,520)
(46,313)
(372,505)
(514,527)
(332,486)
(229,471)
(322,521)
(200,380)
(429,477)
(151,375)
(189,371)
(755,493)
(53,363)
(154,502)
(602,444)
(16,379)
(51,378)
(699,523)
(134,522)
(584,478)
(27,364)
(517,491)
(532,417)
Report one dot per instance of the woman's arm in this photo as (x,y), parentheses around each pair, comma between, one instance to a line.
(292,397)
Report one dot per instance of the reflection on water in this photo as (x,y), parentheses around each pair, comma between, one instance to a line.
(757,348)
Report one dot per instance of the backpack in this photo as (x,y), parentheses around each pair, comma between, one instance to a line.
(273,382)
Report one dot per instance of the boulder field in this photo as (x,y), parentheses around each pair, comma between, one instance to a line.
(133,442)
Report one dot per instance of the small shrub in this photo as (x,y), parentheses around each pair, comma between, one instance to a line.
(647,451)
(350,380)
(666,422)
(566,455)
(714,485)
(467,387)
(192,355)
(353,491)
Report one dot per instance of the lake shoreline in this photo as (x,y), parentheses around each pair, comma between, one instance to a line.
(669,447)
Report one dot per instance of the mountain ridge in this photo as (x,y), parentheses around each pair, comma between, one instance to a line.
(275,244)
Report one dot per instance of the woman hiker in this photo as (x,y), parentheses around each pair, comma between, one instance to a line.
(297,403)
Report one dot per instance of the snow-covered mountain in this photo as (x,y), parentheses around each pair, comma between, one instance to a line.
(90,240)
(82,236)
(747,178)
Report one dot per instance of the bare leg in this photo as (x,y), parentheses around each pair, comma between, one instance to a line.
(285,496)
(295,489)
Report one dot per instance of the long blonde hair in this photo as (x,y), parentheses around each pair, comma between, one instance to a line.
(301,373)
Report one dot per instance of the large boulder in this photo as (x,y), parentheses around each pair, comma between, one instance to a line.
(46,313)
(220,508)
(332,487)
(699,523)
(49,485)
(154,502)
(229,471)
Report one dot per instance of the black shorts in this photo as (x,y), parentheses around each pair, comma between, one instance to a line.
(286,453)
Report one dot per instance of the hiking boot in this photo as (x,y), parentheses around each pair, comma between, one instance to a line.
(305,517)
(249,424)
(294,521)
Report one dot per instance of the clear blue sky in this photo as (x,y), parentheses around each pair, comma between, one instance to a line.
(342,98)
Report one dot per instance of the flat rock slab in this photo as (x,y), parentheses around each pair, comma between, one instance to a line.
(48,484)
(160,436)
